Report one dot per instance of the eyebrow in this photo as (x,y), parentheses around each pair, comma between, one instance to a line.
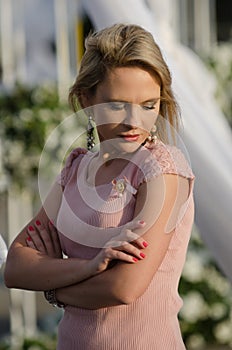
(153,99)
(156,99)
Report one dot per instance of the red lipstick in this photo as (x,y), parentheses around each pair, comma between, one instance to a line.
(130,137)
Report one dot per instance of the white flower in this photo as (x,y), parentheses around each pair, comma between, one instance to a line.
(196,341)
(217,282)
(26,114)
(217,310)
(194,268)
(223,332)
(194,307)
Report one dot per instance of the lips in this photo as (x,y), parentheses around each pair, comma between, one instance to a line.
(130,137)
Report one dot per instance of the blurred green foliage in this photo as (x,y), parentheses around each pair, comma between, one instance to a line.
(206,316)
(41,342)
(27,115)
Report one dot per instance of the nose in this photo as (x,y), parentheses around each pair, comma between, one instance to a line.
(133,116)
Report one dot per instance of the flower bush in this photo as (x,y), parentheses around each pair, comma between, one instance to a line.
(27,115)
(206,315)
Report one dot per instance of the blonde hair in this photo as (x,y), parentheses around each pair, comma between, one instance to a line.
(121,46)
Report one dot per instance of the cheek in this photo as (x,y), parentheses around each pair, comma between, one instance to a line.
(149,124)
(106,129)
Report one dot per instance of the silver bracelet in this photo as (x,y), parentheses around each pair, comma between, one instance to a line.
(50,296)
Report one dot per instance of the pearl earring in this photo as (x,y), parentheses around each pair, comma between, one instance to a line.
(152,137)
(90,135)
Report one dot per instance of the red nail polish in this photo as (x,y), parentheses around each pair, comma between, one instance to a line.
(38,222)
(135,259)
(142,255)
(31,228)
(142,222)
(51,223)
(29,238)
(145,244)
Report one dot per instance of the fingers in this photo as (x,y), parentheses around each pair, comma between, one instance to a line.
(126,251)
(132,225)
(139,242)
(127,235)
(132,250)
(44,240)
(45,237)
(135,239)
(30,243)
(35,239)
(129,255)
(55,238)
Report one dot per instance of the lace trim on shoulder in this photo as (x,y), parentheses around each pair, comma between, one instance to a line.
(166,159)
(66,170)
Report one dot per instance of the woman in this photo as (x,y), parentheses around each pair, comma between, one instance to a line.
(123,214)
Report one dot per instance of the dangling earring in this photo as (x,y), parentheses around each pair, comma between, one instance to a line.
(152,137)
(90,135)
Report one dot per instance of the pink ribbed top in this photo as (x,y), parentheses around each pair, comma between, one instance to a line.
(149,323)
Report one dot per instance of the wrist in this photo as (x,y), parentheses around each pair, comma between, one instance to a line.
(51,297)
(93,266)
(88,268)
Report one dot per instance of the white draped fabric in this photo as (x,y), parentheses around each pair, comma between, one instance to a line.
(206,133)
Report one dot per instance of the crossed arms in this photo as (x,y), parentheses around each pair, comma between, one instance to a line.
(38,264)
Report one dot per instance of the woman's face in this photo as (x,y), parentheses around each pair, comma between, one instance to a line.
(125,107)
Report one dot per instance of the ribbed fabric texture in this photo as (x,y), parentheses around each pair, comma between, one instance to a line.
(150,323)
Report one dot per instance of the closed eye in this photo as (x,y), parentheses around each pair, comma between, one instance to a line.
(149,106)
(117,106)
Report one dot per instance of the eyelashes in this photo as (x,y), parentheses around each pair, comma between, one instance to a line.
(119,106)
(149,107)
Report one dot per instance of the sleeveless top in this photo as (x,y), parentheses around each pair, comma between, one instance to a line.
(150,322)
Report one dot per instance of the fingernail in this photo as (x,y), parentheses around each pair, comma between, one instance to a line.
(31,228)
(29,238)
(141,222)
(142,255)
(135,259)
(145,244)
(51,222)
(38,222)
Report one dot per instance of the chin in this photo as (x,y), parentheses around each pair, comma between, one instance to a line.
(127,147)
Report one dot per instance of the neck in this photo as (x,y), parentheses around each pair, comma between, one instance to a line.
(109,157)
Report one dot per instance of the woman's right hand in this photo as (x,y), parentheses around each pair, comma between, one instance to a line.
(45,240)
(126,247)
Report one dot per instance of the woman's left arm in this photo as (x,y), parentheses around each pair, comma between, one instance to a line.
(158,203)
